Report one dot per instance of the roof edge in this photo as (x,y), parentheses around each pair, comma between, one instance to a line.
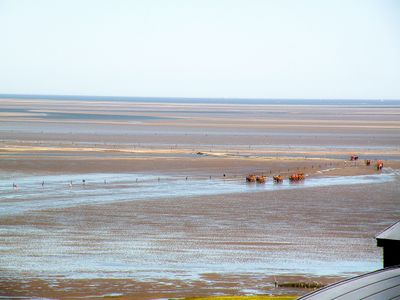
(386,229)
(341,282)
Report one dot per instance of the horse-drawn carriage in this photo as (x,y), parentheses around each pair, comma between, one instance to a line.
(256,178)
(278,178)
(297,177)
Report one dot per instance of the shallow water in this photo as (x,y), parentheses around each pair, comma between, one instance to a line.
(61,191)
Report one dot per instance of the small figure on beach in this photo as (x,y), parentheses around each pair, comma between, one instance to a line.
(379,165)
(43,183)
(83,181)
(15,187)
(105,181)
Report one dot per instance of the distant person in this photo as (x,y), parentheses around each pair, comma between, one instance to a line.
(43,183)
(83,181)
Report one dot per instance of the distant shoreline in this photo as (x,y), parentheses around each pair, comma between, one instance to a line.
(227,100)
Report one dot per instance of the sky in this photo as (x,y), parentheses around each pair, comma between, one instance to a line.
(346,49)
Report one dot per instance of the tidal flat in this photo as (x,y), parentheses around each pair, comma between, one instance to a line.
(164,210)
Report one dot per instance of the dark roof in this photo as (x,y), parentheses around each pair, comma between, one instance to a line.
(390,233)
(381,284)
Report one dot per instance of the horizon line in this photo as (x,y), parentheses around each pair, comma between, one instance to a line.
(115,97)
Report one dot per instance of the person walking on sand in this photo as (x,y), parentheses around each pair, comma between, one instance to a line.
(43,183)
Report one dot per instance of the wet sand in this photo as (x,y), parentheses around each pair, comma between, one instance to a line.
(187,245)
(233,244)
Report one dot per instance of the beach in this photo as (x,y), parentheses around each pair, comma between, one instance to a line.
(149,200)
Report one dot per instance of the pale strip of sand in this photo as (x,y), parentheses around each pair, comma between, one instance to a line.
(315,153)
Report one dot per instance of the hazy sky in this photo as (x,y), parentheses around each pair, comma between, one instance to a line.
(204,48)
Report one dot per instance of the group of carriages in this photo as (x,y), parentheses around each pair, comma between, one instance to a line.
(296,177)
